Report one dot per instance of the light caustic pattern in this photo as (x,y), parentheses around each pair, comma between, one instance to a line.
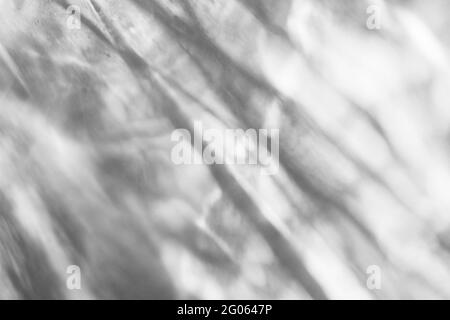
(86,177)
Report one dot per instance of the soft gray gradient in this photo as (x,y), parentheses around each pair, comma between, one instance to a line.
(86,176)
